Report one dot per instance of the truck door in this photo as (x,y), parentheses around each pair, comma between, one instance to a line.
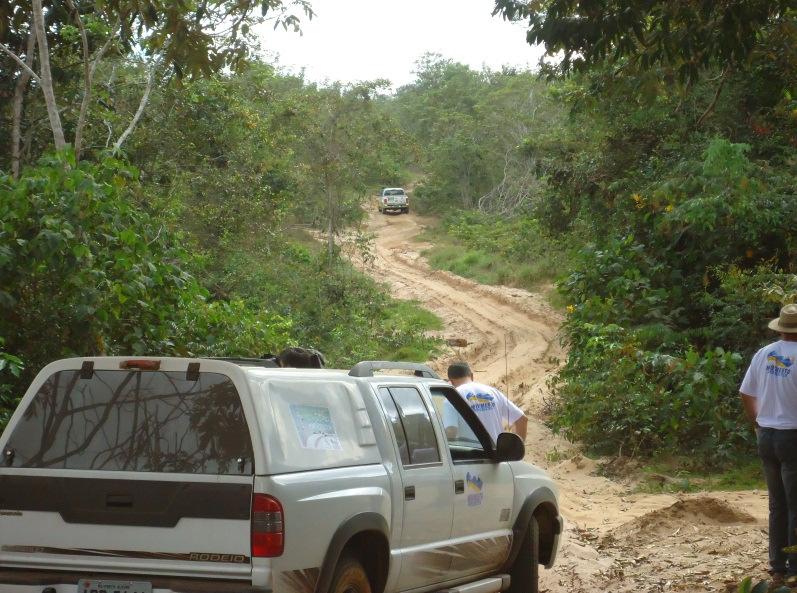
(428,491)
(483,489)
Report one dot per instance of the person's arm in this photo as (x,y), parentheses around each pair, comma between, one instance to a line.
(750,405)
(520,426)
(749,388)
(450,420)
(515,417)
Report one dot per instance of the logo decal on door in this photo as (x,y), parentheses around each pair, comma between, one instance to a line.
(475,489)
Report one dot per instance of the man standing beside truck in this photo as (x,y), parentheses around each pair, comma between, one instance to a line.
(492,407)
(769,396)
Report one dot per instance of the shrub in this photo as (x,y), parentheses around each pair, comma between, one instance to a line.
(85,271)
(666,308)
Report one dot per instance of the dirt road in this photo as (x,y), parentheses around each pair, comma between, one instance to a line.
(616,537)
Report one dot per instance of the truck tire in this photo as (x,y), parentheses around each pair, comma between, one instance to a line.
(406,210)
(349,577)
(525,572)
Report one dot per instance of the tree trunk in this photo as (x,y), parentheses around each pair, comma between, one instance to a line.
(87,72)
(19,99)
(330,222)
(89,68)
(46,75)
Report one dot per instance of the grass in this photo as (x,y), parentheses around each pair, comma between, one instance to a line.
(489,268)
(409,317)
(669,476)
(513,257)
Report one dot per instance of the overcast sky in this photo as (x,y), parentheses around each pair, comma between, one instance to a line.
(354,40)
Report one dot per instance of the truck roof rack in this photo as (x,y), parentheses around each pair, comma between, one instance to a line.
(366,368)
(268,363)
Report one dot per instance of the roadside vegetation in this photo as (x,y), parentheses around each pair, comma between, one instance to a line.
(654,179)
(492,249)
(159,200)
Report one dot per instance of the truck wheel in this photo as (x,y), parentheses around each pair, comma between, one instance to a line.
(350,577)
(525,572)
(406,210)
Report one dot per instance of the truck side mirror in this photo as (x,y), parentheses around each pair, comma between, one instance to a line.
(509,447)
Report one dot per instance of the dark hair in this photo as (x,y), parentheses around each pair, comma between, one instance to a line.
(301,358)
(459,370)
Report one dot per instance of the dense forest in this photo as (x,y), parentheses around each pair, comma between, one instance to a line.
(165,205)
(649,169)
(162,179)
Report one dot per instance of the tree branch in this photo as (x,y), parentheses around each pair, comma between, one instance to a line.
(81,120)
(89,68)
(46,80)
(101,52)
(143,103)
(713,104)
(19,98)
(19,61)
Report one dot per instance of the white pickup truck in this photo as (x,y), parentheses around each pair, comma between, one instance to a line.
(393,199)
(167,475)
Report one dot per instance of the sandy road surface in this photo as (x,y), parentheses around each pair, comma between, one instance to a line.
(615,537)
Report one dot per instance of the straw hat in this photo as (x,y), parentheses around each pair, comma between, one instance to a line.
(787,322)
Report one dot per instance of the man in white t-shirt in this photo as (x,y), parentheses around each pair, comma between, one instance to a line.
(769,396)
(492,407)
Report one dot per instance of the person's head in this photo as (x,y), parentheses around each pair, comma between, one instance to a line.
(786,323)
(301,358)
(459,373)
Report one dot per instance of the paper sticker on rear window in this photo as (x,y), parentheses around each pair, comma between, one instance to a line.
(314,427)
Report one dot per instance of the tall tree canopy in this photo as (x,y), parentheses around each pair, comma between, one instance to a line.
(685,36)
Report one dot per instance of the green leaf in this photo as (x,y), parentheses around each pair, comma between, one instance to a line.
(128,237)
(746,585)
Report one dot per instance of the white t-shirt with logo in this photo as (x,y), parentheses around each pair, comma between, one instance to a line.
(492,407)
(772,380)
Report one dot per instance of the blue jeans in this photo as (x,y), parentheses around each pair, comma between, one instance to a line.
(778,452)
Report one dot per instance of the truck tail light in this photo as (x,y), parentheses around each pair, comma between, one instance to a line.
(141,365)
(268,527)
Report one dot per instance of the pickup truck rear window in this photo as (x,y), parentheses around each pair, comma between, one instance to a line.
(134,421)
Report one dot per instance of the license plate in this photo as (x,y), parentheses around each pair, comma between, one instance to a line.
(105,586)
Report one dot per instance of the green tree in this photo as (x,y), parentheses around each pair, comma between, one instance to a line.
(348,146)
(685,37)
(186,38)
(85,271)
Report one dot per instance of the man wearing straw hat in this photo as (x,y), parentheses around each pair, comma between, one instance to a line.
(769,396)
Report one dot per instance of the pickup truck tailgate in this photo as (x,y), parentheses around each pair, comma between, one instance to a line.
(129,471)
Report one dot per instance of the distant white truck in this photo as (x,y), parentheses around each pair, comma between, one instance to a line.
(393,199)
(176,475)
